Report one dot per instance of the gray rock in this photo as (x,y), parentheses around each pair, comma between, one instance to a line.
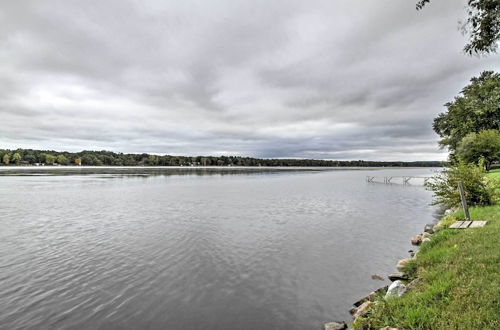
(396,289)
(426,235)
(335,326)
(353,310)
(429,228)
(448,212)
(369,297)
(416,240)
(427,239)
(363,309)
(398,276)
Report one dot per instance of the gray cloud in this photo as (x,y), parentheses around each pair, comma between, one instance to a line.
(324,79)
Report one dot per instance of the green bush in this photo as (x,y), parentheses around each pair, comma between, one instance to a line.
(484,145)
(479,190)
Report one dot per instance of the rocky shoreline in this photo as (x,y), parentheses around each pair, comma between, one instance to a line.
(397,288)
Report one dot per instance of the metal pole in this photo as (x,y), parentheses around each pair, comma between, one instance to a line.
(464,201)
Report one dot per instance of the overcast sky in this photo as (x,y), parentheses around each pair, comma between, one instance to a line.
(332,79)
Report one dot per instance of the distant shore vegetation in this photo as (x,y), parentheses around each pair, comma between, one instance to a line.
(30,157)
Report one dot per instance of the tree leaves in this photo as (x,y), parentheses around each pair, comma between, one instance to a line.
(482,25)
(478,108)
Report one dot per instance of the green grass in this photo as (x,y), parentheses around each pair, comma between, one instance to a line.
(459,285)
(494,173)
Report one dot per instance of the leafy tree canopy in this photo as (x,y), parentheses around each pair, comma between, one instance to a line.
(61,159)
(16,158)
(482,25)
(476,109)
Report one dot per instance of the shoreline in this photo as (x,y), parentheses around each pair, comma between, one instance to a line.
(397,288)
(451,282)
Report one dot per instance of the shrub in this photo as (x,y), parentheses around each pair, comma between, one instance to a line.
(479,190)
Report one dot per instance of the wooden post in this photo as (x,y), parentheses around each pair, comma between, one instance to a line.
(464,201)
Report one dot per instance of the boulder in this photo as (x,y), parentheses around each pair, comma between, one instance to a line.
(401,264)
(335,326)
(429,228)
(370,297)
(363,309)
(448,212)
(398,276)
(427,239)
(416,240)
(353,310)
(396,289)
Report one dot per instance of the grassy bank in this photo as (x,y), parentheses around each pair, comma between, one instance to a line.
(459,280)
(495,174)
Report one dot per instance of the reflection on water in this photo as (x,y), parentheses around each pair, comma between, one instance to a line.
(209,248)
(154,171)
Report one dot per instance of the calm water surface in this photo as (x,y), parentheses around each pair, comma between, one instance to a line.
(198,249)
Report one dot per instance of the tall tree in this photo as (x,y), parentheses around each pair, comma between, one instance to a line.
(476,109)
(482,25)
(16,158)
(50,159)
(62,160)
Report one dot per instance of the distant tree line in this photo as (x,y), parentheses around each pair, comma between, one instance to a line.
(108,158)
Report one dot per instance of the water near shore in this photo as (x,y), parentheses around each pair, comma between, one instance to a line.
(197,249)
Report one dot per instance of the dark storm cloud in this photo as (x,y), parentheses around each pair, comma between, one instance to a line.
(325,79)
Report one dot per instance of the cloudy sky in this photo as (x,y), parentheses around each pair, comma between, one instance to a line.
(329,79)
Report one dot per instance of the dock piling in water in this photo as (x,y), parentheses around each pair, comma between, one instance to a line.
(404,180)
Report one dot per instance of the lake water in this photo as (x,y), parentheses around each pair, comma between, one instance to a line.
(172,248)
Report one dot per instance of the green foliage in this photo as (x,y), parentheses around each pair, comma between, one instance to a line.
(459,282)
(484,145)
(61,159)
(477,109)
(49,159)
(16,158)
(478,191)
(482,25)
(410,268)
